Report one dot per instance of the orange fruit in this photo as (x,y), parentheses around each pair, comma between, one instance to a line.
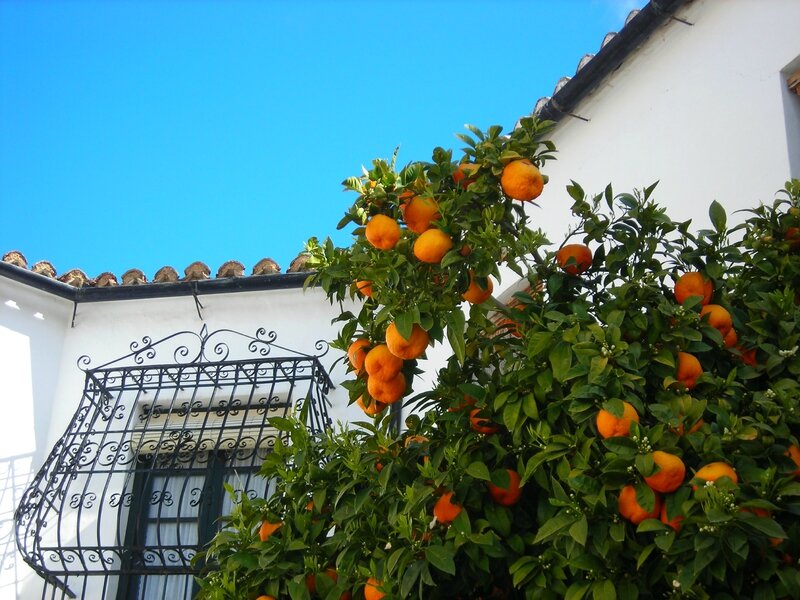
(419,213)
(375,407)
(267,529)
(468,401)
(718,317)
(380,363)
(445,510)
(521,180)
(792,236)
(714,470)
(507,496)
(431,246)
(794,453)
(675,522)
(696,427)
(476,293)
(689,369)
(414,439)
(464,174)
(407,349)
(630,509)
(670,473)
(387,391)
(481,424)
(748,357)
(693,284)
(574,258)
(357,353)
(364,288)
(266,597)
(730,339)
(609,425)
(383,232)
(372,589)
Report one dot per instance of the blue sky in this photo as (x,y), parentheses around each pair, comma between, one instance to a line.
(151,133)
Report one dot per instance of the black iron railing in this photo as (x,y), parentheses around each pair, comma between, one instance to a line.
(134,487)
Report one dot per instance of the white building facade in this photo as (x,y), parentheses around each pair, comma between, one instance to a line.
(696,94)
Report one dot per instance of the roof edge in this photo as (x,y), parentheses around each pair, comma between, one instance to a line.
(610,56)
(252,283)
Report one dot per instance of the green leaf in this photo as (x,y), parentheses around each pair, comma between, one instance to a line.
(552,526)
(410,577)
(405,323)
(577,590)
(441,558)
(604,590)
(561,360)
(580,530)
(479,470)
(455,334)
(717,215)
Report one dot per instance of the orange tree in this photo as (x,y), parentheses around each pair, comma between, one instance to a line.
(626,426)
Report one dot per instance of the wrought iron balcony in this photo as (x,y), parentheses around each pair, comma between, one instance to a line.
(134,487)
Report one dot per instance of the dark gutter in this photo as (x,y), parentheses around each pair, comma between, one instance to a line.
(253,283)
(609,58)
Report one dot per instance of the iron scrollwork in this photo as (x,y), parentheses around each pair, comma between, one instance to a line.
(126,488)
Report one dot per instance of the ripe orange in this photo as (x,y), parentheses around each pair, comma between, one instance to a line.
(794,453)
(266,597)
(445,510)
(718,317)
(792,236)
(380,363)
(364,288)
(267,529)
(609,425)
(468,401)
(507,496)
(748,356)
(675,522)
(383,232)
(372,589)
(521,180)
(431,246)
(357,353)
(689,369)
(464,174)
(630,509)
(730,339)
(375,407)
(419,213)
(476,293)
(481,424)
(330,573)
(670,474)
(580,255)
(714,470)
(693,284)
(407,349)
(388,391)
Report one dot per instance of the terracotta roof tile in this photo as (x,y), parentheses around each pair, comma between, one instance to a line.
(166,275)
(133,277)
(231,268)
(16,258)
(298,265)
(197,271)
(45,268)
(75,278)
(106,279)
(266,266)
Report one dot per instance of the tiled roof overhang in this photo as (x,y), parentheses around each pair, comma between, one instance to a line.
(252,283)
(608,58)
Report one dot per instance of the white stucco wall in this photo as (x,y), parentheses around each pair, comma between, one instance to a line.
(41,384)
(704,109)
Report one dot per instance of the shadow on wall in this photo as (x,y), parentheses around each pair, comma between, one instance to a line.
(15,474)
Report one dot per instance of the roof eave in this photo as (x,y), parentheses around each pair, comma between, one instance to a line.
(253,283)
(609,58)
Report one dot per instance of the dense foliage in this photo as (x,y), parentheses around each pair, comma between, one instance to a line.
(543,387)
